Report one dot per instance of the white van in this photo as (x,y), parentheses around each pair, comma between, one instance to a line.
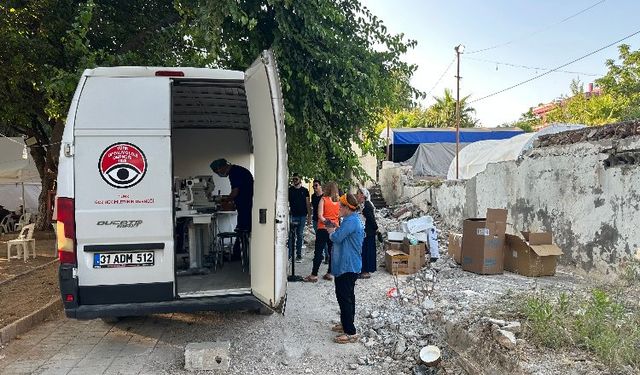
(137,139)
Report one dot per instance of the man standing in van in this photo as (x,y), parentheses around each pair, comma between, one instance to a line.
(241,190)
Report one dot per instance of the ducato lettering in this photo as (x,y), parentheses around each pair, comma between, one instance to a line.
(121,223)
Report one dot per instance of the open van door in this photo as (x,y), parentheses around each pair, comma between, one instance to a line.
(270,205)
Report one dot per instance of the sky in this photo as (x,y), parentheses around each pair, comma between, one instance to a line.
(539,39)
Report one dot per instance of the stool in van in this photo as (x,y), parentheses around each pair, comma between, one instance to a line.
(243,237)
(220,248)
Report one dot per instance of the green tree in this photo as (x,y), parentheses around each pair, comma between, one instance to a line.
(579,108)
(622,82)
(443,112)
(527,122)
(339,66)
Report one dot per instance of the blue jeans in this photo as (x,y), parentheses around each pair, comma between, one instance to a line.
(315,230)
(296,234)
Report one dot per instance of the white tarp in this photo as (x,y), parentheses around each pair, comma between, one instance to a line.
(17,170)
(433,159)
(474,158)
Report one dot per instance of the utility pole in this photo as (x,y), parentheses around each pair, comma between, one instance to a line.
(459,49)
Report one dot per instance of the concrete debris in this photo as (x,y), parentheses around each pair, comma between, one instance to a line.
(619,130)
(353,366)
(514,327)
(401,346)
(429,304)
(199,356)
(505,338)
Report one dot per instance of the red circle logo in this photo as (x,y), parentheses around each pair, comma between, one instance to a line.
(122,165)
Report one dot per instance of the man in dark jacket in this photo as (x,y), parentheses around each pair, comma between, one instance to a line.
(299,214)
(241,190)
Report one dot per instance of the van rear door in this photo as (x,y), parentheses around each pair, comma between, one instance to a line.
(123,196)
(270,211)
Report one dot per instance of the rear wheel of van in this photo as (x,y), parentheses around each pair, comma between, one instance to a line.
(263,311)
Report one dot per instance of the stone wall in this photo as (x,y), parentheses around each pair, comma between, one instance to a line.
(592,208)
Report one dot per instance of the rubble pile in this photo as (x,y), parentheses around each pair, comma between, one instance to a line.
(398,328)
(619,130)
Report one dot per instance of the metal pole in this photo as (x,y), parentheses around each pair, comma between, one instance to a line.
(388,142)
(457,48)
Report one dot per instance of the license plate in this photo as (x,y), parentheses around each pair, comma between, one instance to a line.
(117,260)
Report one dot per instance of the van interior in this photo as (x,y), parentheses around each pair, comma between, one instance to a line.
(209,120)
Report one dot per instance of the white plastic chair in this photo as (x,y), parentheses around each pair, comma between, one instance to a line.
(5,225)
(24,220)
(25,244)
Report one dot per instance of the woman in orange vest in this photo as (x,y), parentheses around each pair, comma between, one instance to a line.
(328,216)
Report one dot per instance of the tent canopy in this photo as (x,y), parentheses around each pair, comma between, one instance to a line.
(19,179)
(16,164)
(399,136)
(475,157)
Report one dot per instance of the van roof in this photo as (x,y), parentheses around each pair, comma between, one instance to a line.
(150,71)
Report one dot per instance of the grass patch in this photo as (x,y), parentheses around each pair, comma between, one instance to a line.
(601,324)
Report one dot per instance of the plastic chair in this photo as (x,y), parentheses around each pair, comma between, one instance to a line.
(5,224)
(24,220)
(25,244)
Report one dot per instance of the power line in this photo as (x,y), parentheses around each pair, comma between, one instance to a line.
(532,67)
(556,68)
(441,76)
(539,30)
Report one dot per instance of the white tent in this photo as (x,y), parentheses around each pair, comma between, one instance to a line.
(19,179)
(474,158)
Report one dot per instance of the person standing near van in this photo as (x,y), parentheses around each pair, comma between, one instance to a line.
(346,261)
(299,214)
(241,181)
(328,217)
(370,230)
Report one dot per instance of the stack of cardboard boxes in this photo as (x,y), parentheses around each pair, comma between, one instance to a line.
(401,257)
(485,248)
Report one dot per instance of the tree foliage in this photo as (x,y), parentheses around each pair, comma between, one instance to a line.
(617,100)
(339,65)
(441,114)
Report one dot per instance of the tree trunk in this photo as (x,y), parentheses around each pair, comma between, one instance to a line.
(45,156)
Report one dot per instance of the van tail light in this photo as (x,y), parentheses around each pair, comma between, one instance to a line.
(66,230)
(169,73)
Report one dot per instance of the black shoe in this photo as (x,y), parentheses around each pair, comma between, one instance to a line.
(299,259)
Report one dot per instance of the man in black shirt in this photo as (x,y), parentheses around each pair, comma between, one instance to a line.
(241,190)
(299,214)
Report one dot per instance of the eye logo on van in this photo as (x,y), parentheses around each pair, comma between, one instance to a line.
(122,165)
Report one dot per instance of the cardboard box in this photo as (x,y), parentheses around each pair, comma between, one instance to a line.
(483,243)
(533,255)
(397,262)
(392,245)
(417,253)
(455,247)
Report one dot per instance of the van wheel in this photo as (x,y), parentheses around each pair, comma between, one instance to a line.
(110,319)
(263,311)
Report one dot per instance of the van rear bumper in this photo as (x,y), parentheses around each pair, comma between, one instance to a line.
(222,303)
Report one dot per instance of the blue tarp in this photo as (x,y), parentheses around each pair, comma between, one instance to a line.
(449,136)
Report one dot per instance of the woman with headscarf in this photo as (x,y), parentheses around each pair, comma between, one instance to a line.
(370,230)
(346,264)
